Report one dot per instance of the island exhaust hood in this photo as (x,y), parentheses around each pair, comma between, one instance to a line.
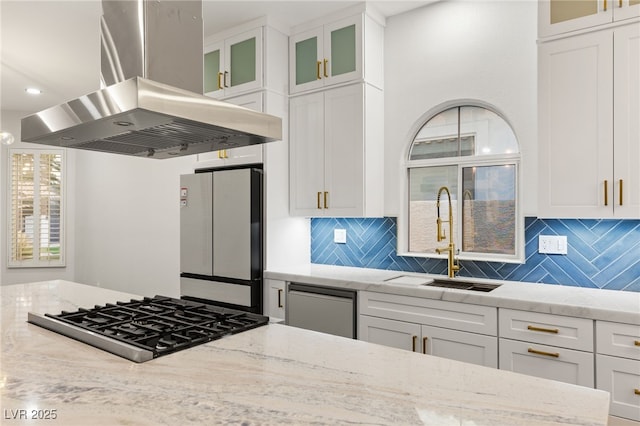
(152,103)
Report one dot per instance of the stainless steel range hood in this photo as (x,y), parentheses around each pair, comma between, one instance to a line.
(152,105)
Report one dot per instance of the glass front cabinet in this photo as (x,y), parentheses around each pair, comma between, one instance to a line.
(233,65)
(326,55)
(562,16)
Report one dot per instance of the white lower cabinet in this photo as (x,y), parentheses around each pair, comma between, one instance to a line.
(434,327)
(618,366)
(383,331)
(460,346)
(621,378)
(548,362)
(549,346)
(273,298)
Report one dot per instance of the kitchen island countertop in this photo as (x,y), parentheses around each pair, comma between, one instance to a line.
(270,375)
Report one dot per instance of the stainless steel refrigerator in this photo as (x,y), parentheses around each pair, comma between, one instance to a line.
(221,237)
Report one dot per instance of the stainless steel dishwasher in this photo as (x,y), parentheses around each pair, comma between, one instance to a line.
(324,309)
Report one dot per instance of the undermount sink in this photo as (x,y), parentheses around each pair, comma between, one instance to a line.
(445,283)
(464,285)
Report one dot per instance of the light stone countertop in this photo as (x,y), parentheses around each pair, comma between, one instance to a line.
(273,374)
(608,305)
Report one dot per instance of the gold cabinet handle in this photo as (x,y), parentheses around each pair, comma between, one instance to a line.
(326,199)
(326,61)
(537,352)
(605,5)
(636,391)
(424,345)
(318,64)
(637,342)
(544,330)
(413,343)
(620,189)
(620,3)
(280,298)
(319,194)
(606,193)
(220,80)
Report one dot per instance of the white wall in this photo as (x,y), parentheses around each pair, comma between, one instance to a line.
(128,222)
(453,50)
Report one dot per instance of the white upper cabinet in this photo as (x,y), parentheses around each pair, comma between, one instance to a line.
(336,152)
(334,53)
(562,16)
(234,65)
(589,93)
(246,59)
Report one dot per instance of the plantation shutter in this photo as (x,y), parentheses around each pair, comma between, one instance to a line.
(36,209)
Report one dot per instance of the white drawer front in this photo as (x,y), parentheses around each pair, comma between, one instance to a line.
(439,313)
(548,362)
(617,339)
(621,378)
(547,329)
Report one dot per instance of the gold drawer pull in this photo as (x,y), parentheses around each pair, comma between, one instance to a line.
(319,194)
(537,352)
(636,391)
(637,343)
(606,191)
(413,345)
(424,345)
(620,191)
(326,199)
(544,330)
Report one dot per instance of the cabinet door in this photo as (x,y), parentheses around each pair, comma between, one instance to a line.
(626,9)
(460,346)
(243,62)
(275,299)
(621,378)
(576,127)
(306,60)
(214,70)
(548,362)
(396,334)
(561,16)
(307,155)
(344,151)
(626,83)
(342,59)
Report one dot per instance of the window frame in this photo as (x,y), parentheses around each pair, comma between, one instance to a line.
(460,162)
(35,261)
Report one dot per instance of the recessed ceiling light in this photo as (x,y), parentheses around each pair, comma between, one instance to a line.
(33,91)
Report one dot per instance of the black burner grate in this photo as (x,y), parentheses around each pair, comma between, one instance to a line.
(162,324)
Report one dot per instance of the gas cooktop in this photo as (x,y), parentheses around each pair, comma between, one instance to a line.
(140,330)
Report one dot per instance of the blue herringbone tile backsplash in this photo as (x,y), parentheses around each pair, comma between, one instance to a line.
(601,253)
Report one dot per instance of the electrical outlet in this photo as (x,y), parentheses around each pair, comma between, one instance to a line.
(552,244)
(340,236)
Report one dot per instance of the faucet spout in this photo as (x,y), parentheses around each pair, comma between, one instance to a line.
(453,265)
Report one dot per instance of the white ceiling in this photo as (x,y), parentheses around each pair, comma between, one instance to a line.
(54,45)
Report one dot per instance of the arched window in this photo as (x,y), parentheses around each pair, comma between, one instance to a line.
(473,152)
